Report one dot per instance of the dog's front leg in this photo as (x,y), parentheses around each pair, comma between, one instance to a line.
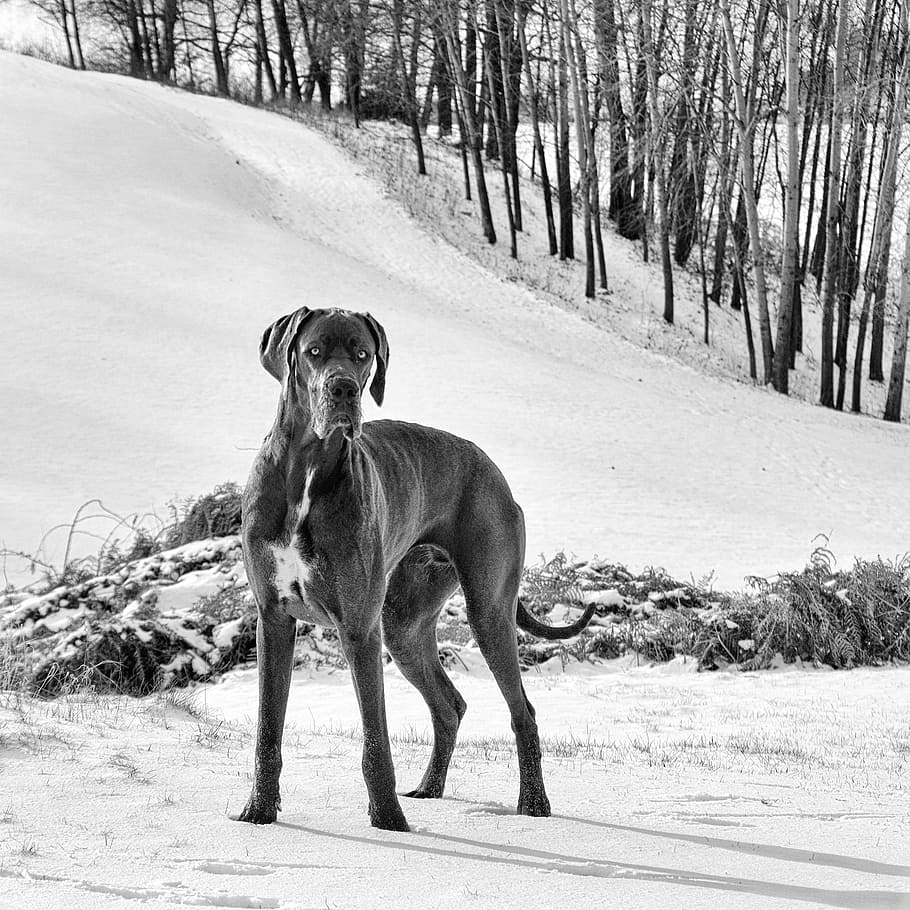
(275,652)
(363,650)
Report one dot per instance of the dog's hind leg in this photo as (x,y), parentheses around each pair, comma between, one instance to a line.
(417,590)
(490,573)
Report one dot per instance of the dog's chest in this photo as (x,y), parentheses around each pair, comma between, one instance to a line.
(295,576)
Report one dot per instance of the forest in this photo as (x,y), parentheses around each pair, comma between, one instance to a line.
(754,144)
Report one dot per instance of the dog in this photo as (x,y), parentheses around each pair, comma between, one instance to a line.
(370,527)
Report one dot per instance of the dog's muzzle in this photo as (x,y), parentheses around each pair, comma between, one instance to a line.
(338,405)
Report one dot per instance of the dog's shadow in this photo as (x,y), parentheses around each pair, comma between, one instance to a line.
(433,843)
(771,851)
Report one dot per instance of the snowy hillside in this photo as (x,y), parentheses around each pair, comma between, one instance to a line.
(147,238)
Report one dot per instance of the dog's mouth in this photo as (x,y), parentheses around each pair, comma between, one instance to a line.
(351,430)
(329,417)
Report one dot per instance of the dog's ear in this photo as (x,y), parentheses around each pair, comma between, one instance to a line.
(377,386)
(277,342)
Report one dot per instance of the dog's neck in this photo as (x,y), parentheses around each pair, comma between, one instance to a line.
(302,456)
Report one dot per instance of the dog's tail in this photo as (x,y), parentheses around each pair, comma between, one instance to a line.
(552,633)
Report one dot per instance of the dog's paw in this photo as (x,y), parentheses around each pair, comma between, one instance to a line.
(259,811)
(535,804)
(426,791)
(389,819)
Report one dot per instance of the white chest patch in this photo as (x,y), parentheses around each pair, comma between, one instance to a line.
(290,569)
(292,572)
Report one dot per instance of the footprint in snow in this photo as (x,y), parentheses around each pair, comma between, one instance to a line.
(181,896)
(233,868)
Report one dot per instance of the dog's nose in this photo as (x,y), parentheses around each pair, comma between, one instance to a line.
(343,389)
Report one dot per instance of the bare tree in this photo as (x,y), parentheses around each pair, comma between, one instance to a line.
(658,163)
(790,14)
(533,105)
(745,127)
(831,275)
(899,357)
(875,281)
(446,16)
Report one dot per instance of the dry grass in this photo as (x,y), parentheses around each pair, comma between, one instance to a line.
(821,615)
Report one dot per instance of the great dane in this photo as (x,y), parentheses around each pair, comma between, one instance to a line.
(370,527)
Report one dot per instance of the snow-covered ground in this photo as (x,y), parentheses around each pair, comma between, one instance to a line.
(148,236)
(146,239)
(669,788)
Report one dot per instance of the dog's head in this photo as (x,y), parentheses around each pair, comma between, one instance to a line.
(323,359)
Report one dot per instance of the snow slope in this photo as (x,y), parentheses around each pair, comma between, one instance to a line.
(146,239)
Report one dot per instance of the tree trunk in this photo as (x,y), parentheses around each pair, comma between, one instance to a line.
(535,126)
(497,122)
(169,23)
(850,241)
(504,19)
(407,87)
(287,48)
(657,160)
(148,65)
(443,91)
(899,357)
(639,84)
(876,278)
(221,83)
(622,209)
(564,181)
(683,195)
(264,51)
(463,146)
(62,16)
(746,130)
(582,140)
(814,119)
(467,119)
(789,267)
(817,260)
(156,42)
(77,38)
(830,276)
(135,41)
(725,176)
(739,278)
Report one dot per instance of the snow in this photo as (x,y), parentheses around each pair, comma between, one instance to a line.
(146,239)
(170,229)
(180,596)
(669,788)
(608,598)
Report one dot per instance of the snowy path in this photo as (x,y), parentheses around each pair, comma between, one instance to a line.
(147,237)
(777,789)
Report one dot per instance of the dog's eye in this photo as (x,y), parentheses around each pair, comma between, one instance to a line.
(362,355)
(313,352)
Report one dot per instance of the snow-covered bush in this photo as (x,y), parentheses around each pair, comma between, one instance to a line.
(820,615)
(216,514)
(186,614)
